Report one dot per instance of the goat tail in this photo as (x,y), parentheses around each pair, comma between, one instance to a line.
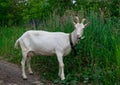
(16,44)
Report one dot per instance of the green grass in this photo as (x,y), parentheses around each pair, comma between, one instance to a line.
(8,36)
(98,59)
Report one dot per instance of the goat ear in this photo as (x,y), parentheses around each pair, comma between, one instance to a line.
(73,23)
(87,24)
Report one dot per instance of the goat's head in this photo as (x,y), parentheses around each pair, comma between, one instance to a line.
(79,27)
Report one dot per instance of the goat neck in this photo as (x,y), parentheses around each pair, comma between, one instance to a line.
(74,38)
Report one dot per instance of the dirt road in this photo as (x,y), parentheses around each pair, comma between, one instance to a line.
(10,74)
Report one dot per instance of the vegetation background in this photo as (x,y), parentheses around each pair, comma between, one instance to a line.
(98,55)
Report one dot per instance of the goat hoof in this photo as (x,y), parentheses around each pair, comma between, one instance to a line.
(62,79)
(31,73)
(24,78)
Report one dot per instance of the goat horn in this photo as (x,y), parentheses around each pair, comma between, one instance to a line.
(77,18)
(83,20)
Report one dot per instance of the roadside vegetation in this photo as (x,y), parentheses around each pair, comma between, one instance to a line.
(98,55)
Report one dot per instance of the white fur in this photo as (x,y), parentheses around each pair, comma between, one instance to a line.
(47,43)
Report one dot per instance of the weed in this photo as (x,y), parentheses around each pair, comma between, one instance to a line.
(98,59)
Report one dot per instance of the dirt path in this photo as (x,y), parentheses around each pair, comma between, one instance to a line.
(10,74)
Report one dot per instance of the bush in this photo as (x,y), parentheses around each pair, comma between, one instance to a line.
(97,61)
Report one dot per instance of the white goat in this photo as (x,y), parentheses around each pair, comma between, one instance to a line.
(49,43)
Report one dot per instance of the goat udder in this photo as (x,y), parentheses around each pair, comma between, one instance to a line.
(30,54)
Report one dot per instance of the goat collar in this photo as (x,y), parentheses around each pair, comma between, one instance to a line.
(71,44)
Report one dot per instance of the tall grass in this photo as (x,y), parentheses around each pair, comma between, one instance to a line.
(98,55)
(8,37)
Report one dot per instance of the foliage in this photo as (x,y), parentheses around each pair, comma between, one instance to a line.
(16,12)
(97,61)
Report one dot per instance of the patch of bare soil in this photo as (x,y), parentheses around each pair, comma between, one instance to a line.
(10,74)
